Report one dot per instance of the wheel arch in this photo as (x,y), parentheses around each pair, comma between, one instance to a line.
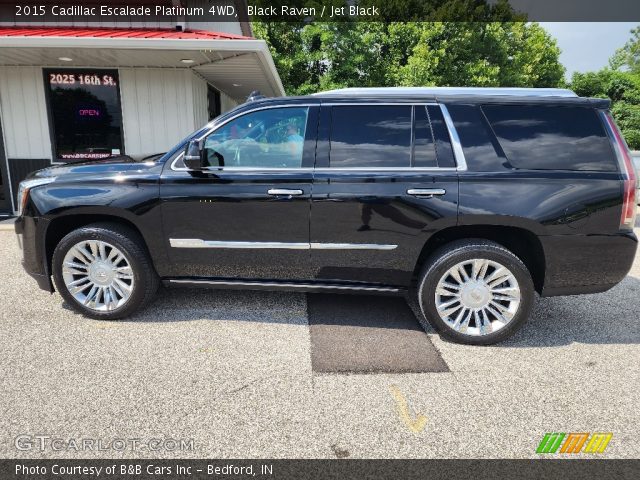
(521,242)
(60,226)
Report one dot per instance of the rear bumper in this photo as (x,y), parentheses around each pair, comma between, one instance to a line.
(578,264)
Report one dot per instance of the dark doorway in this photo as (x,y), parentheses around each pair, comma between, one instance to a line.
(213,99)
(5,196)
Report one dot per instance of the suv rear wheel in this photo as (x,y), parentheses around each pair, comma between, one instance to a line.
(475,292)
(103,271)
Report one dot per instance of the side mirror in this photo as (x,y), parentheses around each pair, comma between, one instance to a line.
(194,156)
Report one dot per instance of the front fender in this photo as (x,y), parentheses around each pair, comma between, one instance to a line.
(67,206)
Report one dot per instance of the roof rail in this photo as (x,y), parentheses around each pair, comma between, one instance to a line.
(417,91)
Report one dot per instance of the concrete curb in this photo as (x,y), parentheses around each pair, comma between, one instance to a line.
(7,226)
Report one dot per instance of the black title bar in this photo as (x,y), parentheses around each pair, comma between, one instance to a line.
(124,13)
(346,469)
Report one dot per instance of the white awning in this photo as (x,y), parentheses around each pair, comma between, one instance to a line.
(236,66)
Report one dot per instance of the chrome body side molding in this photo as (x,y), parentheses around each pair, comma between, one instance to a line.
(199,243)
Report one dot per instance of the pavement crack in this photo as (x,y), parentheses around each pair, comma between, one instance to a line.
(244,386)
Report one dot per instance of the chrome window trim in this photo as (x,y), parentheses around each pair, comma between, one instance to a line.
(458,153)
(455,143)
(199,243)
(322,170)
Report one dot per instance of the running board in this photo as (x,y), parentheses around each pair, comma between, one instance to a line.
(286,286)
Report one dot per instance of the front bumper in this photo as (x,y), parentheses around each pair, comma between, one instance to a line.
(29,231)
(43,281)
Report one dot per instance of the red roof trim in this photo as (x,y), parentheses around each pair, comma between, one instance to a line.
(100,32)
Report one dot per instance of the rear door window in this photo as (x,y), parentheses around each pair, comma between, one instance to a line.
(424,149)
(370,136)
(441,135)
(538,137)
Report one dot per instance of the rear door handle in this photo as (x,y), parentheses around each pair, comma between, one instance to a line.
(284,191)
(426,192)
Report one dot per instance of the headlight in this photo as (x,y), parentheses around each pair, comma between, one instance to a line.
(26,186)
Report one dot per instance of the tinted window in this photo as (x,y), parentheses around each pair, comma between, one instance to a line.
(271,138)
(551,137)
(441,136)
(424,151)
(85,109)
(477,143)
(371,136)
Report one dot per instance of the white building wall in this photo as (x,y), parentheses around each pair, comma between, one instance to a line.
(24,113)
(159,107)
(226,102)
(200,101)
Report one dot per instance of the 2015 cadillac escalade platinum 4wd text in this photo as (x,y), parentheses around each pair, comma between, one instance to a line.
(473,199)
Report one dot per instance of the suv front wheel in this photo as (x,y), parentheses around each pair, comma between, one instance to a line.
(475,292)
(103,271)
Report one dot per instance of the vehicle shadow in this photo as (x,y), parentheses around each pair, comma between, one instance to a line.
(612,317)
(184,304)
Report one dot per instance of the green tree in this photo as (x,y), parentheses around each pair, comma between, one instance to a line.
(317,56)
(620,83)
(629,55)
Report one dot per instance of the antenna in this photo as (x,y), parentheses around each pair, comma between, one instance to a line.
(255,95)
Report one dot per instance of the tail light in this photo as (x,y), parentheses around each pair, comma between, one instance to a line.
(626,167)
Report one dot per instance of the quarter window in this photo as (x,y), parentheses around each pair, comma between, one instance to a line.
(270,138)
(370,136)
(551,137)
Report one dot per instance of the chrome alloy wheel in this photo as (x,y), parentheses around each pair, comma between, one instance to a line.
(477,297)
(98,275)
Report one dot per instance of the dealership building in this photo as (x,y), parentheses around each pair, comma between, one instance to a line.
(74,92)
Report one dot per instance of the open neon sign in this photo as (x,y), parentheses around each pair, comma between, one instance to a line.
(89,112)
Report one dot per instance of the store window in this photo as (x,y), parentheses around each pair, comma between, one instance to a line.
(85,114)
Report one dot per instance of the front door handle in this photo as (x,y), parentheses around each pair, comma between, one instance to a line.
(426,192)
(284,191)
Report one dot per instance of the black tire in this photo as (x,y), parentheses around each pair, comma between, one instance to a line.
(130,243)
(458,251)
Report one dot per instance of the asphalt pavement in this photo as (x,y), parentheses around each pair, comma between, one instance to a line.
(283,375)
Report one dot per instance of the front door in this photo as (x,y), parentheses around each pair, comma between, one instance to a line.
(247,215)
(385,180)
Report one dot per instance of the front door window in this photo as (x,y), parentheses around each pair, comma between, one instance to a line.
(270,138)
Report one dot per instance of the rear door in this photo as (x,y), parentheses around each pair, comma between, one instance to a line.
(385,180)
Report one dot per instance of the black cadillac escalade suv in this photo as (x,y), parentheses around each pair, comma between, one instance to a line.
(471,199)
